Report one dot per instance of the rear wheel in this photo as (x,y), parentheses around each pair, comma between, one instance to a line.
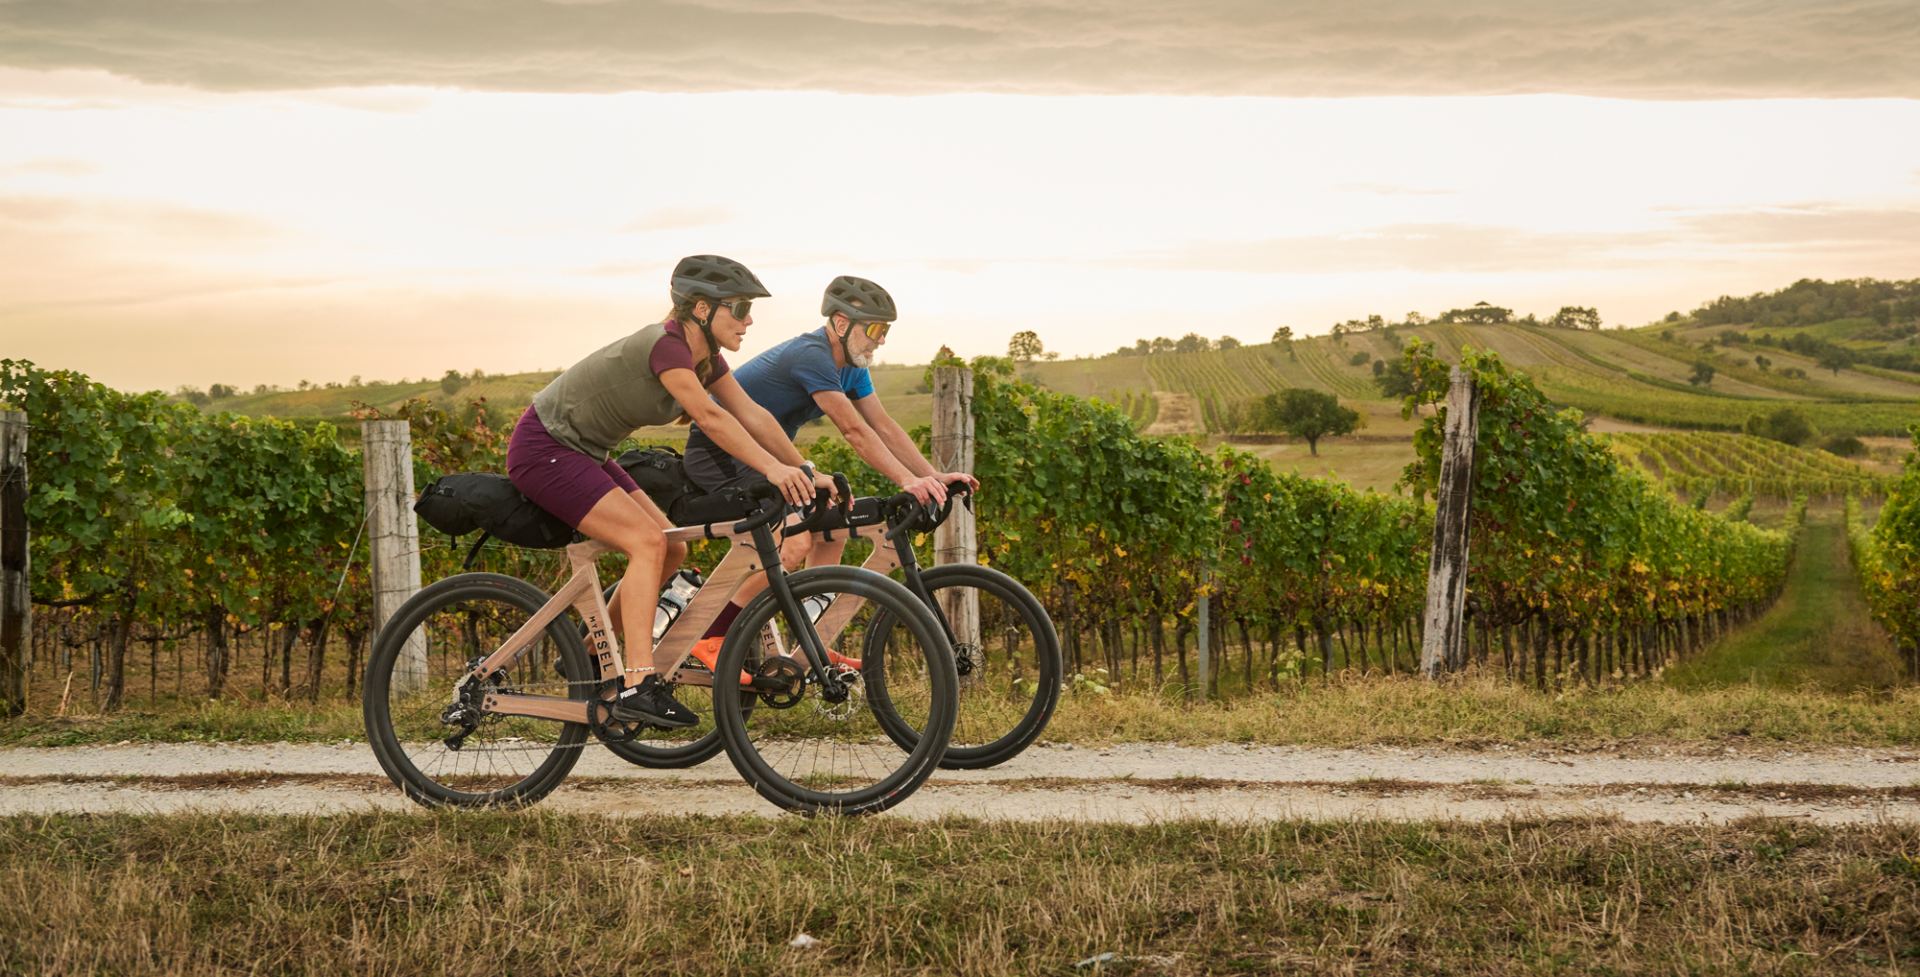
(425,724)
(811,751)
(1008,661)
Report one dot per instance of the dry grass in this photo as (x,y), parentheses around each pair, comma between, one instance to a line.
(533,893)
(1342,712)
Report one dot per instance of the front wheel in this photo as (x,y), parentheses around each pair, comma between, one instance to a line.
(810,751)
(1008,656)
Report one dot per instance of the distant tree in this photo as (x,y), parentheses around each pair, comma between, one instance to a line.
(1192,342)
(1784,424)
(353,381)
(477,374)
(1226,343)
(1672,317)
(1666,335)
(1375,322)
(1339,333)
(220,391)
(260,388)
(1160,344)
(304,384)
(1416,319)
(1844,446)
(1024,346)
(194,396)
(1702,374)
(1794,373)
(1835,358)
(1760,360)
(1050,355)
(1576,317)
(1479,313)
(1309,414)
(1360,358)
(1392,378)
(451,383)
(1283,336)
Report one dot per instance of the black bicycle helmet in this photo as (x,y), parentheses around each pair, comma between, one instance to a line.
(858,299)
(709,276)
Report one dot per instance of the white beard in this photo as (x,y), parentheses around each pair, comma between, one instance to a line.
(861,360)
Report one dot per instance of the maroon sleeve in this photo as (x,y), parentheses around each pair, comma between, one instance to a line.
(673,353)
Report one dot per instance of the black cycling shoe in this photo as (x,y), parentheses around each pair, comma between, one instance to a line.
(652,702)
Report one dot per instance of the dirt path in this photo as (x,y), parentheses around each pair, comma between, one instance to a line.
(1121,783)
(1178,414)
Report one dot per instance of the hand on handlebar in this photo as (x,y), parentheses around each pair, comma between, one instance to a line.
(824,483)
(793,483)
(927,489)
(948,478)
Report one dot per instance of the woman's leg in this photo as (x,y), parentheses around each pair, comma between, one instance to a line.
(672,557)
(622,521)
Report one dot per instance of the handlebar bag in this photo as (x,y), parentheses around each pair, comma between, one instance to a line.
(459,504)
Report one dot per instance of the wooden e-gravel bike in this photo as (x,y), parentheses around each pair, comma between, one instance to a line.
(1005,648)
(481,690)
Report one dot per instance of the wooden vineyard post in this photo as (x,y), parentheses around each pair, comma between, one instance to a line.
(1204,653)
(386,448)
(16,600)
(953,541)
(1444,646)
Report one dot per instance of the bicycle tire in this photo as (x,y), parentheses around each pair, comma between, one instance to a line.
(516,601)
(1047,664)
(909,767)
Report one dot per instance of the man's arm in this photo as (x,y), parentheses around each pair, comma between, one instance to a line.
(900,443)
(755,419)
(892,435)
(731,437)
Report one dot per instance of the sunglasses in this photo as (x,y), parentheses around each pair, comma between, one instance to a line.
(738,308)
(878,330)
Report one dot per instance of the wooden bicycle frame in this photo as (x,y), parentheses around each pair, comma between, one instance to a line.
(583,593)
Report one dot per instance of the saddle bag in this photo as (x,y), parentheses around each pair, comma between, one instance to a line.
(485,501)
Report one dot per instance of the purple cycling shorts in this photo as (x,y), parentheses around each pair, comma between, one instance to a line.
(557,478)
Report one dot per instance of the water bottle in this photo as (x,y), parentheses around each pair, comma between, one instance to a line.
(674,599)
(815,606)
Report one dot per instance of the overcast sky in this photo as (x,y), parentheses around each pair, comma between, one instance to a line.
(237,191)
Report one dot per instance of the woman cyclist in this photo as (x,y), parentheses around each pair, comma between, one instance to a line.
(561,448)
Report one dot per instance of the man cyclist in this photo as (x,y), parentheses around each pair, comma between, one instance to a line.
(558,455)
(815,374)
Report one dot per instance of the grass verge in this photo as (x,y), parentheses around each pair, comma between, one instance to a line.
(1353,712)
(540,893)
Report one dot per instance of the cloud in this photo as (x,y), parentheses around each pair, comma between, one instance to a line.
(1619,48)
(1810,230)
(678,219)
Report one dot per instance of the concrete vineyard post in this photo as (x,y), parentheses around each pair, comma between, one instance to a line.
(387,452)
(953,541)
(16,602)
(1444,645)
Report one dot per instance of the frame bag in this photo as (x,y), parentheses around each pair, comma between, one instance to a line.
(459,504)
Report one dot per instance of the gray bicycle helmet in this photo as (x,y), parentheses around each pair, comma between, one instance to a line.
(859,299)
(709,276)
